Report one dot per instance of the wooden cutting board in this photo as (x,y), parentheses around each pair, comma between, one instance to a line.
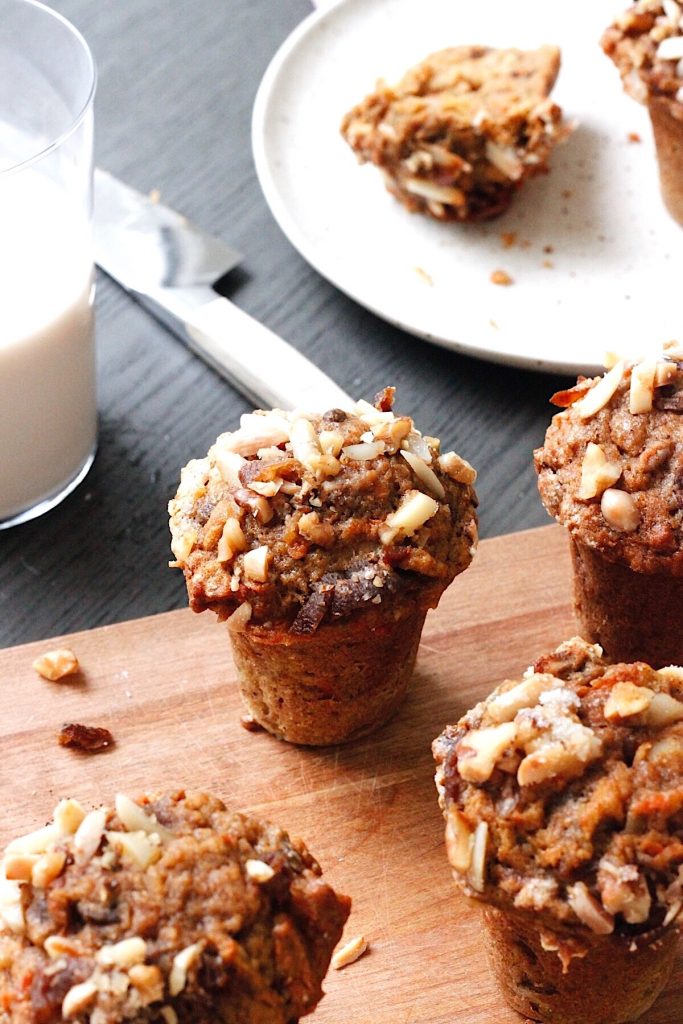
(165,686)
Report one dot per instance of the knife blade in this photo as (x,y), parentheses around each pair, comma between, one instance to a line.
(170,266)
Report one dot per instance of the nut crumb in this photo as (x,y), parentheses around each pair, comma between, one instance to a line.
(421,272)
(634,137)
(548,264)
(55,665)
(84,737)
(501,277)
(350,952)
(508,238)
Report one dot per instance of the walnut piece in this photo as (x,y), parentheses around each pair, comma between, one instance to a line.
(55,665)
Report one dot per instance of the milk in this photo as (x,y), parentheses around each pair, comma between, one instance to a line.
(48,421)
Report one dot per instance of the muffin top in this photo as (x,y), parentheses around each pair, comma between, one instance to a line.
(298,518)
(646,44)
(611,468)
(165,909)
(563,794)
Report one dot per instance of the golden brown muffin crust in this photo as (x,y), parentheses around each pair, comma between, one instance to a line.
(639,456)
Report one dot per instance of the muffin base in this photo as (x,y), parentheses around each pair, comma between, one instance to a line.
(617,980)
(331,686)
(634,616)
(668,132)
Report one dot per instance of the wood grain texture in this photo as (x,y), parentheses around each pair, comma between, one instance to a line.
(165,687)
(177,82)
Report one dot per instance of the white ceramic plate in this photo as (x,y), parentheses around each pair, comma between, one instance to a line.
(598,217)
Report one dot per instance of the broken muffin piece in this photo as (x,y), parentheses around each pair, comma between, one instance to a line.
(462,130)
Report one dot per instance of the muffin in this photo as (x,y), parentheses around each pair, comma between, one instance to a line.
(562,794)
(324,539)
(167,909)
(646,44)
(462,130)
(611,471)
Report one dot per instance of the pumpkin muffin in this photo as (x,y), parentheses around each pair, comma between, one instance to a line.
(562,794)
(611,471)
(167,909)
(646,44)
(462,130)
(324,539)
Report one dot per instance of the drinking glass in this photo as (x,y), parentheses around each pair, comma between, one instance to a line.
(48,417)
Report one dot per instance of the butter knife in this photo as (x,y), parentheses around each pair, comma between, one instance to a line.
(170,266)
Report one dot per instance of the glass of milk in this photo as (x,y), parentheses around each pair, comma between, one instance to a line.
(48,418)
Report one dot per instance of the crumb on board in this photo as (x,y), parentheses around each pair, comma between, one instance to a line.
(566,193)
(155,196)
(55,665)
(634,137)
(250,724)
(548,248)
(494,325)
(349,952)
(90,738)
(422,273)
(508,238)
(501,277)
(548,264)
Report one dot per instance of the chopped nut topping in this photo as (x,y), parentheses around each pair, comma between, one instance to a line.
(597,473)
(266,488)
(132,817)
(55,665)
(458,840)
(229,465)
(68,815)
(601,394)
(149,982)
(78,998)
(125,953)
(363,452)
(18,866)
(256,563)
(89,834)
(169,1014)
(412,513)
(259,871)
(312,528)
(135,847)
(627,699)
(11,909)
(620,510)
(232,541)
(457,469)
(642,386)
(57,946)
(182,962)
(240,617)
(588,910)
(305,444)
(331,442)
(424,473)
(504,706)
(476,875)
(663,710)
(479,750)
(34,842)
(48,867)
(349,952)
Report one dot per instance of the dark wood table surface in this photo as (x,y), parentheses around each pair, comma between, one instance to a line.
(177,81)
